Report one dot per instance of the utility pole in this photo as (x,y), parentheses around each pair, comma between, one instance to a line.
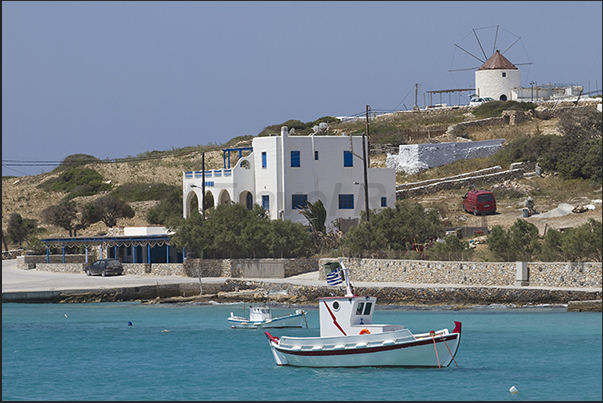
(416,94)
(366,199)
(202,189)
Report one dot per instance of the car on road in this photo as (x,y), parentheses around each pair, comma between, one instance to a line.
(104,267)
(479,202)
(476,101)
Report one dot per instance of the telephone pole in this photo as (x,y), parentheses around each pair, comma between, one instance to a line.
(366,199)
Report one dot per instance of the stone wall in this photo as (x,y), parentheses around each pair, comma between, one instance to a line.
(29,262)
(465,182)
(500,274)
(539,274)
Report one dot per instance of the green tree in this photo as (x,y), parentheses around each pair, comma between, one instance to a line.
(18,228)
(62,215)
(520,242)
(395,228)
(583,243)
(168,211)
(551,248)
(316,214)
(523,240)
(107,209)
(499,244)
(452,248)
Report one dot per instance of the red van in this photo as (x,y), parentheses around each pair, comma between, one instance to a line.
(479,202)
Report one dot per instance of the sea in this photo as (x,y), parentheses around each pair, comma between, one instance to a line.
(132,351)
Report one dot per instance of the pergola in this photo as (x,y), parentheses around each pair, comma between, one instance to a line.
(106,242)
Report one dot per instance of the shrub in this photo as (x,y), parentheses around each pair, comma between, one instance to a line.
(141,191)
(85,182)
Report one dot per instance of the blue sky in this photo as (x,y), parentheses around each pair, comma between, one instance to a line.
(116,79)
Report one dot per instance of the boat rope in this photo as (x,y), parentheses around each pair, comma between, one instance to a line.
(305,320)
(457,365)
(432,334)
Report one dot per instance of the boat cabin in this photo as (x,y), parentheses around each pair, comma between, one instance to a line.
(257,313)
(350,314)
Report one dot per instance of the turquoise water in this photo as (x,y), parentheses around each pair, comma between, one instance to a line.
(189,352)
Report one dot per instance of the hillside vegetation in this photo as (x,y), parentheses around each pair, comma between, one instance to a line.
(145,180)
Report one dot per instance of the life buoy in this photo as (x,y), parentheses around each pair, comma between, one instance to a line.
(365,331)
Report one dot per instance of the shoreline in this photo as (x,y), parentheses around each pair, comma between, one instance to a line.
(32,286)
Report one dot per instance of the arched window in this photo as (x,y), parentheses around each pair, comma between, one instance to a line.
(503,97)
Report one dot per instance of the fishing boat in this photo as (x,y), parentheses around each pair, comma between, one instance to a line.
(349,338)
(260,316)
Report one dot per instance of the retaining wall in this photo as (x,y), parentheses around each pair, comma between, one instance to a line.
(534,274)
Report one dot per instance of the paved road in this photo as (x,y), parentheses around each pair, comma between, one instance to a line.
(17,280)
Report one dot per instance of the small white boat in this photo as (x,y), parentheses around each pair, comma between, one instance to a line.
(260,316)
(348,338)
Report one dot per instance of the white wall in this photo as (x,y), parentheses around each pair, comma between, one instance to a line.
(414,158)
(491,83)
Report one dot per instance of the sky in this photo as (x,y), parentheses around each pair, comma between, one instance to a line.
(118,79)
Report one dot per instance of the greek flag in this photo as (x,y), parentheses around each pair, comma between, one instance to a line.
(334,277)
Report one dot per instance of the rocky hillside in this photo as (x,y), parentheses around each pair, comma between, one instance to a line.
(23,196)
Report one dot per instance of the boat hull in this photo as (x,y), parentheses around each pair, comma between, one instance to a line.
(293,320)
(377,350)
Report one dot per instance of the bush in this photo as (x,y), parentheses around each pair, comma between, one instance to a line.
(495,108)
(233,231)
(82,181)
(141,191)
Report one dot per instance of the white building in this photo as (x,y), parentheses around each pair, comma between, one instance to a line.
(284,172)
(496,78)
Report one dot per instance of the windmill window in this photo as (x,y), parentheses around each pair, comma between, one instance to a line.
(504,74)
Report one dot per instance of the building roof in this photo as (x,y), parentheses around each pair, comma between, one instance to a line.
(497,62)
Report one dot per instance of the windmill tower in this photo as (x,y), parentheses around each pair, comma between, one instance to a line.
(497,77)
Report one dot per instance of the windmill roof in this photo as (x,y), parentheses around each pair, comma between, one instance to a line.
(497,62)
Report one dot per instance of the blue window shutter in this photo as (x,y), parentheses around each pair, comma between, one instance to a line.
(299,201)
(346,201)
(347,159)
(384,202)
(266,202)
(295,159)
(264,162)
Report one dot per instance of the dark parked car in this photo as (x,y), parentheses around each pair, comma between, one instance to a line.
(104,267)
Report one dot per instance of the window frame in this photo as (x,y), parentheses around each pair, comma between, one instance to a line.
(346,202)
(295,159)
(295,201)
(348,159)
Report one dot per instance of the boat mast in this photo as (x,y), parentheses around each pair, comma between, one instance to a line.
(348,285)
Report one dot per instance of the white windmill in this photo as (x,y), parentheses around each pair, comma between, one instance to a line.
(497,76)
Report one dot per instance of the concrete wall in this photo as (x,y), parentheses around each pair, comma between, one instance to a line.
(249,268)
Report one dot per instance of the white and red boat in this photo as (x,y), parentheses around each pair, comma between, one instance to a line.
(260,316)
(349,338)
